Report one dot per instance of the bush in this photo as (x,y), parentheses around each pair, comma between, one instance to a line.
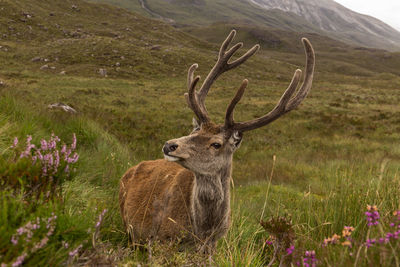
(37,170)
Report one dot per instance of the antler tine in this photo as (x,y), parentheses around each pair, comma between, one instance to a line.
(190,76)
(243,58)
(227,42)
(306,87)
(286,103)
(229,122)
(192,101)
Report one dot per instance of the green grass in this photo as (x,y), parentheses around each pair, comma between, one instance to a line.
(329,152)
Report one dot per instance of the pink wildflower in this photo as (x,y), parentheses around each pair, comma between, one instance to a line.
(15,143)
(290,250)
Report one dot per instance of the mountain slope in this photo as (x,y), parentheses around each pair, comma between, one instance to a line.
(337,19)
(323,17)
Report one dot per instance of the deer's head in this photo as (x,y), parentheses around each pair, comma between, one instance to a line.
(209,146)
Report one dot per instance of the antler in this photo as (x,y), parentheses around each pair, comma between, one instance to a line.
(287,102)
(196,99)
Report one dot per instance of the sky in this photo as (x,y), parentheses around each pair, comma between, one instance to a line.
(387,11)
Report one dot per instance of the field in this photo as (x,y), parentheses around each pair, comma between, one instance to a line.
(318,167)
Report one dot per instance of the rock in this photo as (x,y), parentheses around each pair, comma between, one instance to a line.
(103,72)
(53,67)
(44,67)
(27,15)
(62,106)
(63,72)
(36,59)
(74,7)
(2,84)
(155,47)
(118,64)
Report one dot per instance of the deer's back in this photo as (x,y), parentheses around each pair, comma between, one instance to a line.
(155,200)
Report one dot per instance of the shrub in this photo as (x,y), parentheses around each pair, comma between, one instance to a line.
(38,169)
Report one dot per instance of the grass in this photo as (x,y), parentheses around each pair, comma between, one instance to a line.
(334,155)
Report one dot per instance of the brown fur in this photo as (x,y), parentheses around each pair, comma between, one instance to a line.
(165,200)
(149,194)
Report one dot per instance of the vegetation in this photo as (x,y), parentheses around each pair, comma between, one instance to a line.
(318,167)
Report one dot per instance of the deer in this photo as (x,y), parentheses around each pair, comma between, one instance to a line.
(186,195)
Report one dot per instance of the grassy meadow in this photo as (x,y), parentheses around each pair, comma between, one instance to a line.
(317,167)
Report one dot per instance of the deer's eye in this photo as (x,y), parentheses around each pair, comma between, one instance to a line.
(216,145)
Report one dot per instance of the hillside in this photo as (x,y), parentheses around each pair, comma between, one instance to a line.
(318,167)
(339,21)
(323,17)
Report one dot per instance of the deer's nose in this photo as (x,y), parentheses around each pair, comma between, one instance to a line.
(169,147)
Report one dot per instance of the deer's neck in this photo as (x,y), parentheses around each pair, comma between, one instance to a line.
(211,203)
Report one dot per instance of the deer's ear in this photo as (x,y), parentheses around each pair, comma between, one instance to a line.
(196,125)
(236,139)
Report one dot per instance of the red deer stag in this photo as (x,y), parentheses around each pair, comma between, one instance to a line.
(187,193)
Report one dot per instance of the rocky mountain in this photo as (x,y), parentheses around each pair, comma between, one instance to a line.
(336,19)
(324,17)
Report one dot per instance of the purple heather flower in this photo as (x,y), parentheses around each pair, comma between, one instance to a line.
(372,217)
(74,252)
(34,159)
(41,244)
(39,155)
(44,170)
(43,144)
(310,260)
(65,244)
(370,242)
(66,154)
(19,260)
(14,240)
(50,159)
(20,231)
(290,250)
(15,143)
(268,242)
(57,160)
(73,159)
(389,235)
